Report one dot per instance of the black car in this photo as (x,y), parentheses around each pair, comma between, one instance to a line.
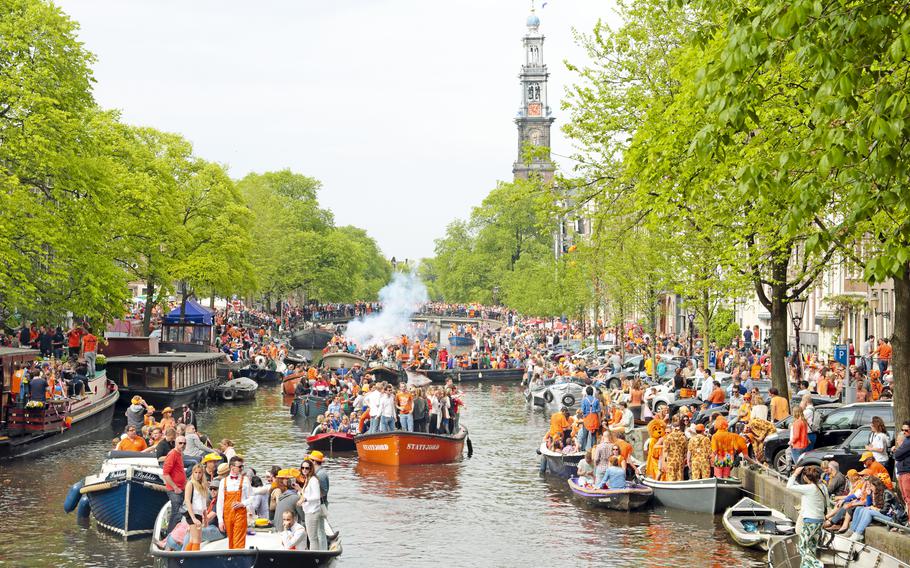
(834,424)
(846,454)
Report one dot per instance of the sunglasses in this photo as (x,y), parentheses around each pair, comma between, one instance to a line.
(306,468)
(181,443)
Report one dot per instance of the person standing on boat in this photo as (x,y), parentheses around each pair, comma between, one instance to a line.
(813,507)
(420,411)
(386,409)
(89,350)
(311,501)
(174,480)
(725,445)
(373,400)
(235,497)
(590,411)
(404,402)
(699,454)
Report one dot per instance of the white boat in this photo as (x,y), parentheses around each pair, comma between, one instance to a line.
(558,395)
(558,463)
(834,551)
(751,524)
(710,495)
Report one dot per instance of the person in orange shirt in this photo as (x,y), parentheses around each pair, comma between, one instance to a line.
(780,407)
(560,426)
(884,355)
(717,396)
(873,467)
(133,442)
(725,445)
(404,402)
(89,351)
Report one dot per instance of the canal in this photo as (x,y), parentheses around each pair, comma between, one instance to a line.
(492,509)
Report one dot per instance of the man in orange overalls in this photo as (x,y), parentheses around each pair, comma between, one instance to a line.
(235,495)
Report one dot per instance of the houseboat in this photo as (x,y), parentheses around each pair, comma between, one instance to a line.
(165,379)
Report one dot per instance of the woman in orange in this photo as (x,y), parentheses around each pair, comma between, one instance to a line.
(235,495)
(725,445)
(167,419)
(636,396)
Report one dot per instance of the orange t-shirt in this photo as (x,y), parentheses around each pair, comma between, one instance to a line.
(135,445)
(625,448)
(89,343)
(558,423)
(405,401)
(884,351)
(717,396)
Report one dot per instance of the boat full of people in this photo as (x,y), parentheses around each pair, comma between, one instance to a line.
(630,497)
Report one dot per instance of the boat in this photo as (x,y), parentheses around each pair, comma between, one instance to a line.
(263,375)
(753,525)
(342,359)
(472,375)
(332,442)
(165,379)
(558,463)
(310,405)
(634,496)
(312,338)
(558,395)
(461,340)
(241,388)
(387,373)
(290,382)
(710,495)
(58,423)
(411,448)
(263,549)
(834,550)
(418,379)
(125,495)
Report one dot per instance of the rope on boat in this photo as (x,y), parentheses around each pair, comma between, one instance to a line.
(155,486)
(99,487)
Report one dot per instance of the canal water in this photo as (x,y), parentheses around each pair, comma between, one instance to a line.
(492,509)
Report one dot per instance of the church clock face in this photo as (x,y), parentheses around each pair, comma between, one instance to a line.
(534,109)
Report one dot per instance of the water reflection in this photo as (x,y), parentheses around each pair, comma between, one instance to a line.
(417,481)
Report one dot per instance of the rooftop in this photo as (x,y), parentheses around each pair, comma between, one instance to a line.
(166,358)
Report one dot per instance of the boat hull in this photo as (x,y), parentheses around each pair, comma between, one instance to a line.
(474,375)
(129,506)
(558,464)
(332,442)
(710,495)
(767,524)
(629,499)
(313,338)
(410,448)
(460,341)
(262,376)
(86,422)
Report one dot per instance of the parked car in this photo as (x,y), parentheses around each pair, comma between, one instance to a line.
(833,427)
(847,453)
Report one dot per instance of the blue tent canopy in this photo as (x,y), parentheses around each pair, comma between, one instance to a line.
(194,314)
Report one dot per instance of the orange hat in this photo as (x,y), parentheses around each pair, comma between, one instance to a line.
(316,456)
(721,423)
(700,428)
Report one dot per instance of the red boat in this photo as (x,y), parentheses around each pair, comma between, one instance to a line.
(411,448)
(331,442)
(289,383)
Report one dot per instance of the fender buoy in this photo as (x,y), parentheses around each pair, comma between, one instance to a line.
(470,447)
(295,407)
(228,394)
(568,400)
(84,509)
(260,361)
(72,497)
(306,408)
(543,464)
(548,395)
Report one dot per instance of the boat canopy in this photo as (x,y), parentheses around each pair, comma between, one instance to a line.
(194,313)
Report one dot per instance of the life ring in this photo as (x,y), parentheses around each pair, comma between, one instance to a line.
(260,361)
(568,400)
(548,395)
(228,393)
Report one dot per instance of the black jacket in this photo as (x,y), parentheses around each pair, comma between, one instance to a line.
(902,456)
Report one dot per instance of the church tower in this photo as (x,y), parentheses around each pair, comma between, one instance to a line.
(533,119)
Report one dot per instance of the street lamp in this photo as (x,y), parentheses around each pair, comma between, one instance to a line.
(796,307)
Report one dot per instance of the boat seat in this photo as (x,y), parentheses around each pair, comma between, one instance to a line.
(756,512)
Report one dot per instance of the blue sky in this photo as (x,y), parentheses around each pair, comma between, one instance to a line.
(402,108)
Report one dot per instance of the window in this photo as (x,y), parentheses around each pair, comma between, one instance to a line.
(533,91)
(859,440)
(840,420)
(886,413)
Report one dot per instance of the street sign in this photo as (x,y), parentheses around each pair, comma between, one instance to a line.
(841,353)
(712,359)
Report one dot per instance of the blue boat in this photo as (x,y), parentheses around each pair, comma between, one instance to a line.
(461,340)
(127,494)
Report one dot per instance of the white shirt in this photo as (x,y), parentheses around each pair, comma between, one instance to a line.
(312,496)
(230,483)
(372,399)
(879,443)
(386,406)
(760,411)
(294,537)
(814,496)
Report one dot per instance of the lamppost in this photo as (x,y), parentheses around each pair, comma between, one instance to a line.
(796,307)
(690,313)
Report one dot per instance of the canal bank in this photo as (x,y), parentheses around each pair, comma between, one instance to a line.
(770,490)
(492,509)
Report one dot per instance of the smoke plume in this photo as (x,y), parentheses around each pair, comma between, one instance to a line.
(400,298)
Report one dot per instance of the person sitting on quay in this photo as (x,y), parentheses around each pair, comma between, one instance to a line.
(863,515)
(858,494)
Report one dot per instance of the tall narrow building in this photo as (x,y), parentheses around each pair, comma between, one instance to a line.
(534,119)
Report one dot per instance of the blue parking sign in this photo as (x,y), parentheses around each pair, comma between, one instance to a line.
(841,353)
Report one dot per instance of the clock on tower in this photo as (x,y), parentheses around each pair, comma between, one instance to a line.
(534,109)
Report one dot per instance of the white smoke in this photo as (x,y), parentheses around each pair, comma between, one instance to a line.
(401,298)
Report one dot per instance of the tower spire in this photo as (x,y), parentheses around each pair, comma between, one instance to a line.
(533,119)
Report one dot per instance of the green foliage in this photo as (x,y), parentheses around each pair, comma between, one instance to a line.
(725,328)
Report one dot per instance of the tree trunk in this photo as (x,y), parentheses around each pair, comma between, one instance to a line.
(212,300)
(779,335)
(183,297)
(149,304)
(706,332)
(900,356)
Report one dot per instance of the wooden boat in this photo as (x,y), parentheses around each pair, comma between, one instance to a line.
(337,360)
(332,442)
(60,422)
(290,382)
(473,375)
(241,388)
(386,373)
(558,463)
(635,496)
(461,340)
(124,495)
(411,448)
(833,551)
(165,379)
(263,550)
(710,495)
(751,524)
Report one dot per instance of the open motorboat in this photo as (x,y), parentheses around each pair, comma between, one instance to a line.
(558,394)
(634,496)
(558,463)
(751,524)
(411,448)
(241,388)
(712,495)
(263,549)
(834,551)
(332,442)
